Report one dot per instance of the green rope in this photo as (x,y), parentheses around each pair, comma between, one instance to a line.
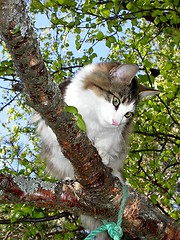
(114,229)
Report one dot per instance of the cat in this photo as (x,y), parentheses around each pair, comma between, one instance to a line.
(106,95)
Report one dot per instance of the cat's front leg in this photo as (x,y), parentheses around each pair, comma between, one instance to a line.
(102,152)
(104,156)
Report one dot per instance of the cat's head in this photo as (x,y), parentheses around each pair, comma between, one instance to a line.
(117,92)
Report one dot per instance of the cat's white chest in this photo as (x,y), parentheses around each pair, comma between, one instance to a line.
(107,141)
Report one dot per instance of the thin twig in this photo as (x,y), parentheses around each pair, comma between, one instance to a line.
(1,109)
(36,220)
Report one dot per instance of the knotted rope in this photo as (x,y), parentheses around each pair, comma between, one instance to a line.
(114,229)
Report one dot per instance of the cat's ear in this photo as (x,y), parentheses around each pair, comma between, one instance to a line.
(145,91)
(125,72)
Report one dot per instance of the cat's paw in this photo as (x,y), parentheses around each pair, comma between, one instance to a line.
(106,159)
(67,181)
(104,156)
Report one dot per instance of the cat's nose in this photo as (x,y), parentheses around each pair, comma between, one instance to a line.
(114,122)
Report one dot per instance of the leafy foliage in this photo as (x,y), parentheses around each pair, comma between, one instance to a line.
(76,33)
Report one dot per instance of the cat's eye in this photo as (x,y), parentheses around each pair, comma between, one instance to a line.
(116,101)
(128,115)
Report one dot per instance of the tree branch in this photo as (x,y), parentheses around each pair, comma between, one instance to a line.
(140,218)
(8,103)
(37,220)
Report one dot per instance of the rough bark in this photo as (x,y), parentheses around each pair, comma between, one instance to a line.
(96,192)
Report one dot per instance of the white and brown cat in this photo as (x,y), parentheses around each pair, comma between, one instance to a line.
(106,95)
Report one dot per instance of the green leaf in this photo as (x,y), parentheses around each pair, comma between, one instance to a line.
(112,39)
(163,18)
(105,12)
(78,44)
(168,65)
(81,124)
(108,43)
(61,1)
(154,198)
(129,6)
(16,29)
(68,236)
(54,19)
(71,24)
(37,214)
(100,36)
(27,209)
(79,120)
(156,13)
(94,55)
(37,4)
(71,109)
